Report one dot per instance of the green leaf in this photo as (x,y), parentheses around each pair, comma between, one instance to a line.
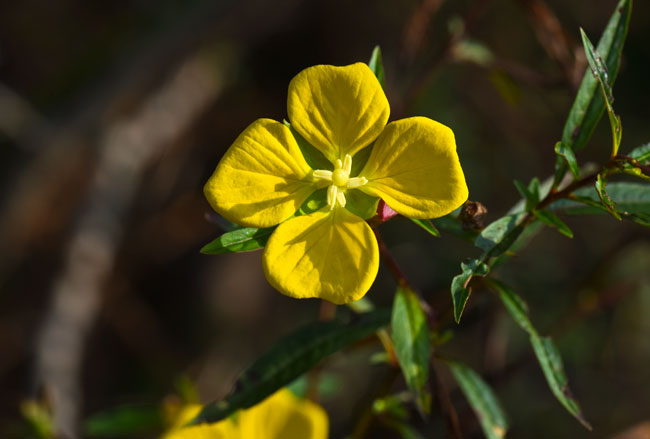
(551,363)
(499,235)
(599,69)
(641,153)
(482,399)
(240,240)
(427,225)
(410,334)
(565,152)
(460,290)
(530,193)
(547,354)
(600,184)
(129,421)
(629,198)
(552,220)
(376,65)
(588,106)
(291,357)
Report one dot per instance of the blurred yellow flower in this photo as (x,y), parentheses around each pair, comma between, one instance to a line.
(281,416)
(263,179)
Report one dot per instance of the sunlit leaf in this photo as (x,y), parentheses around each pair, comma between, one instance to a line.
(500,234)
(240,240)
(600,184)
(589,105)
(410,334)
(599,69)
(376,65)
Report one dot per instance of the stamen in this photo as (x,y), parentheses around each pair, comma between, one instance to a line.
(340,197)
(356,182)
(332,193)
(322,174)
(347,164)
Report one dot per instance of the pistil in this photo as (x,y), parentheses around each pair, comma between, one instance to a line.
(340,181)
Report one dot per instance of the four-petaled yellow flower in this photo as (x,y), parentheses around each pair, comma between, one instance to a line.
(281,416)
(263,179)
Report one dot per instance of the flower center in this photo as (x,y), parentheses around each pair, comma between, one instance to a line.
(340,181)
(340,177)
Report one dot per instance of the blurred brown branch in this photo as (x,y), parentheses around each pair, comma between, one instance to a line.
(126,150)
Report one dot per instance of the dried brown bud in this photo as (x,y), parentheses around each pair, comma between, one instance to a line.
(472,215)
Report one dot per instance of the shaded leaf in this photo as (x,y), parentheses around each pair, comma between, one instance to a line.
(552,220)
(426,225)
(291,357)
(460,290)
(530,193)
(376,65)
(551,363)
(410,334)
(129,421)
(588,105)
(547,354)
(240,240)
(482,399)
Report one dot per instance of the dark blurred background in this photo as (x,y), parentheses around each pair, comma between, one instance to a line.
(114,114)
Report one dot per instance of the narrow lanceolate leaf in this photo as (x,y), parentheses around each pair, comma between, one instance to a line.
(564,151)
(376,65)
(427,225)
(551,363)
(600,184)
(240,240)
(411,338)
(599,69)
(547,354)
(291,357)
(530,193)
(629,197)
(482,399)
(552,220)
(589,105)
(498,236)
(460,289)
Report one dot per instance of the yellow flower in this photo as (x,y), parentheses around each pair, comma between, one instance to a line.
(281,416)
(263,179)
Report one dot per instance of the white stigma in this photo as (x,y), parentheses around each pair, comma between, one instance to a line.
(339,180)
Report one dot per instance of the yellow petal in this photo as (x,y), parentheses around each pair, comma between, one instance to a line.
(332,255)
(284,416)
(415,169)
(262,179)
(220,430)
(339,110)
